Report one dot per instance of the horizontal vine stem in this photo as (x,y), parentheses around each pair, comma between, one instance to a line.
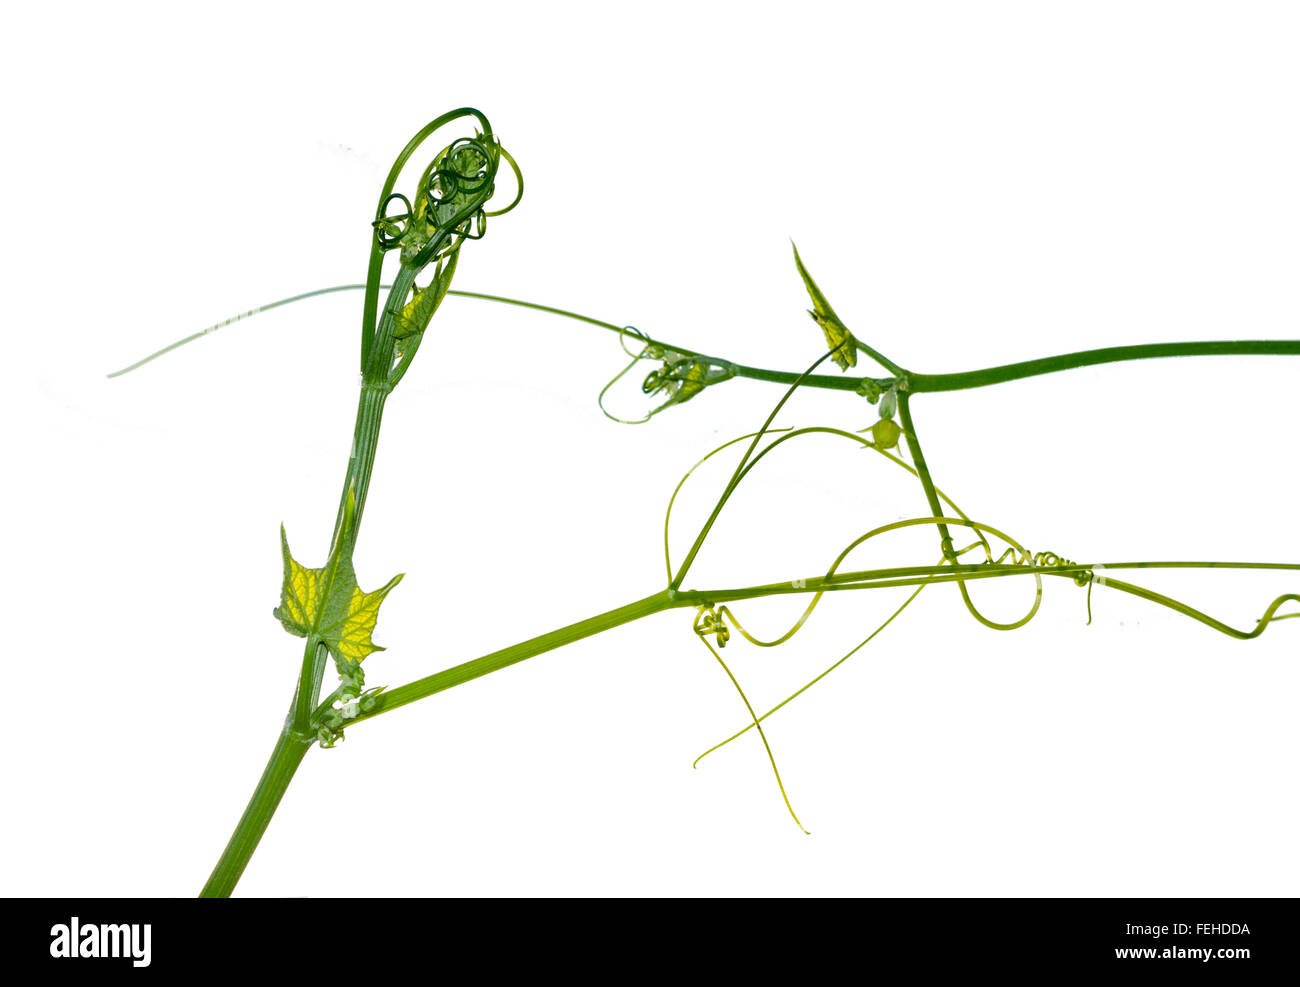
(912,575)
(674,599)
(921,383)
(918,383)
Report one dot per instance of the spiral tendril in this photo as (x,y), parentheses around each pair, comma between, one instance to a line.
(1044,560)
(708,620)
(391,227)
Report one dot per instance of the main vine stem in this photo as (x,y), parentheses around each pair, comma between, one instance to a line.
(295,739)
(289,751)
(296,736)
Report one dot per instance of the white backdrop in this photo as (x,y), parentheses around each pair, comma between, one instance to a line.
(971,184)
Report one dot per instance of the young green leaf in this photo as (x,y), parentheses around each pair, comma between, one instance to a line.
(680,377)
(349,636)
(838,336)
(418,312)
(327,603)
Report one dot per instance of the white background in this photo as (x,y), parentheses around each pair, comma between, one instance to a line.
(971,184)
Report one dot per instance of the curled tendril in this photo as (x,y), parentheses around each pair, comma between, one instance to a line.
(1048,560)
(475,226)
(709,620)
(448,180)
(715,620)
(466,167)
(647,352)
(448,209)
(391,227)
(981,541)
(450,205)
(519,183)
(454,189)
(649,349)
(462,173)
(812,682)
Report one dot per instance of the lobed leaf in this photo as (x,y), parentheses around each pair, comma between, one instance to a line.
(327,604)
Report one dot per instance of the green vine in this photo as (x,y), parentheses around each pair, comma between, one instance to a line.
(418,238)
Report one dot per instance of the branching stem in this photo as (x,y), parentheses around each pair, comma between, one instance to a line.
(458,214)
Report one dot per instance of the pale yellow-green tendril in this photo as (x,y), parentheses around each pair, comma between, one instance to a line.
(648,352)
(1094,574)
(600,399)
(768,747)
(808,685)
(1204,618)
(961,585)
(712,620)
(794,433)
(857,438)
(676,490)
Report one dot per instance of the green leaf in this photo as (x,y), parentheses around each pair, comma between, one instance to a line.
(327,604)
(838,336)
(418,312)
(693,382)
(683,377)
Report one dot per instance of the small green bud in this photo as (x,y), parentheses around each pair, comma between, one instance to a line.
(888,403)
(870,389)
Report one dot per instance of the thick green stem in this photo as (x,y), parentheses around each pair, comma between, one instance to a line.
(478,667)
(361,464)
(377,355)
(288,754)
(291,747)
(375,388)
(310,674)
(356,486)
(921,383)
(923,472)
(296,737)
(670,599)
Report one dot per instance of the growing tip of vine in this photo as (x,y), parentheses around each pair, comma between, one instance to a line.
(449,203)
(681,377)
